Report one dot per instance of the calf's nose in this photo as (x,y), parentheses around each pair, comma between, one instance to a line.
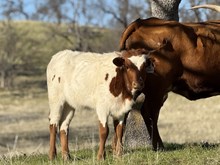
(138,85)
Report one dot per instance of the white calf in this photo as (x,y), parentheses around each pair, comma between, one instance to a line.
(104,82)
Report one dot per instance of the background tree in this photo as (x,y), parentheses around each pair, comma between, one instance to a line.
(123,12)
(9,38)
(14,8)
(167,10)
(8,58)
(187,15)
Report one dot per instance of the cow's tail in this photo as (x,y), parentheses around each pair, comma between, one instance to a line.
(127,32)
(208,6)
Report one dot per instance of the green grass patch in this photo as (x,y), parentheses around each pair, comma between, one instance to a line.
(185,154)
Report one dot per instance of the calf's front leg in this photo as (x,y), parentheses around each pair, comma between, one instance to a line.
(103,134)
(117,140)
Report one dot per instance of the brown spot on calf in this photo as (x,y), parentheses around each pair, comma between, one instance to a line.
(106,77)
(53,77)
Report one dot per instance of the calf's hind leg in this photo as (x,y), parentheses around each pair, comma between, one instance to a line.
(54,119)
(52,152)
(66,118)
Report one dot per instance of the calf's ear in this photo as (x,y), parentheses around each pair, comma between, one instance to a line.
(118,61)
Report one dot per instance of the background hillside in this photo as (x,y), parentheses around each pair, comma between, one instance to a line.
(27,46)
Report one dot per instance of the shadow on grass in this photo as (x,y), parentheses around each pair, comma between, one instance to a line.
(169,147)
(175,146)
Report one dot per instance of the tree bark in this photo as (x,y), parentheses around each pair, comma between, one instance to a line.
(136,134)
(165,9)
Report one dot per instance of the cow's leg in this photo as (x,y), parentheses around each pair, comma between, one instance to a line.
(67,116)
(103,134)
(52,152)
(119,135)
(150,112)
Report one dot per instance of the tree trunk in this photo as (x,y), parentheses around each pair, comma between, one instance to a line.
(136,134)
(165,9)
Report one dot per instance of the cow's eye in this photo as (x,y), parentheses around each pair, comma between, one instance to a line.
(148,63)
(125,67)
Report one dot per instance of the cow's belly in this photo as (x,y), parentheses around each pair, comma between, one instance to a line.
(196,88)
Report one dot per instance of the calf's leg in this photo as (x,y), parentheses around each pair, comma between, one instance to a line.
(66,118)
(64,144)
(54,119)
(119,132)
(103,134)
(117,140)
(114,139)
(52,152)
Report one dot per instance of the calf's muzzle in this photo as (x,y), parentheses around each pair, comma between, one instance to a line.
(138,85)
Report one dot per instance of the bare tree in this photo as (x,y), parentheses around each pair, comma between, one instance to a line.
(9,38)
(198,15)
(53,9)
(122,12)
(8,57)
(74,22)
(14,7)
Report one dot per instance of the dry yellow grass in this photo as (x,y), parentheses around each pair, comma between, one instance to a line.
(25,124)
(184,121)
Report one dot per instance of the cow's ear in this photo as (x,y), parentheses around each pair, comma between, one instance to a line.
(118,61)
(167,45)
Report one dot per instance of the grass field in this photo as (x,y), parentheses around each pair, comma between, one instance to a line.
(190,130)
(177,154)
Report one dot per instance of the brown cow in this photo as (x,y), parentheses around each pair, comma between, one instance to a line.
(186,58)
